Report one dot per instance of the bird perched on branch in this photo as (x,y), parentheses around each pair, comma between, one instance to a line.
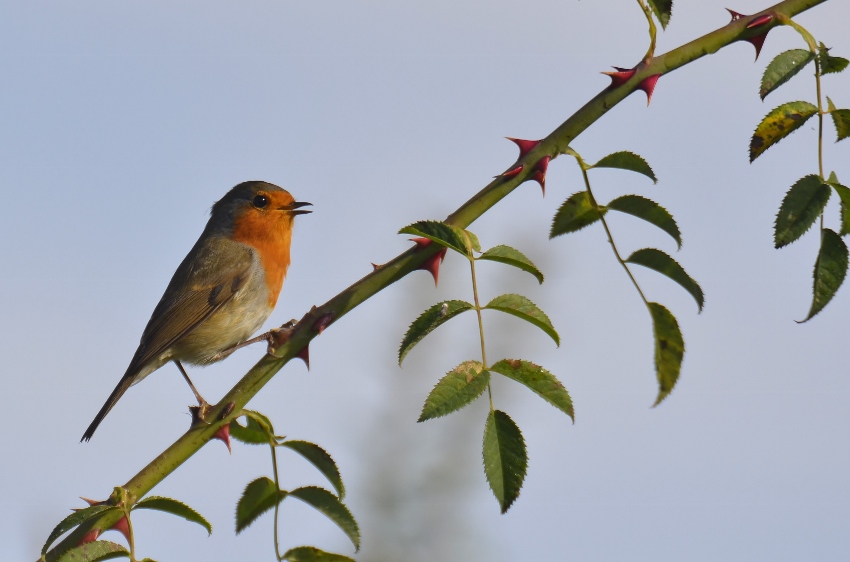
(224,289)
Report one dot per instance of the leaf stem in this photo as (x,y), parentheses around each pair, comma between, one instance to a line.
(653,31)
(277,504)
(480,325)
(608,232)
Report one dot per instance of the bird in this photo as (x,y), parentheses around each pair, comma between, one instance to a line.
(224,289)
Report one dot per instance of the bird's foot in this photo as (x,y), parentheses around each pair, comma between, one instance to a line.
(276,337)
(199,412)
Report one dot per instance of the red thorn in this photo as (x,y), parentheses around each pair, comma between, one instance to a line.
(539,174)
(648,86)
(123,527)
(420,242)
(757,42)
(323,322)
(760,21)
(525,146)
(620,77)
(513,172)
(735,15)
(377,266)
(91,536)
(304,355)
(432,264)
(223,435)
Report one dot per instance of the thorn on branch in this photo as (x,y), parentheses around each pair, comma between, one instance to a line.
(620,77)
(525,146)
(539,172)
(223,435)
(432,264)
(648,86)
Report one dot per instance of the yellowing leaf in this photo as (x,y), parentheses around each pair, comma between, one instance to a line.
(669,349)
(778,124)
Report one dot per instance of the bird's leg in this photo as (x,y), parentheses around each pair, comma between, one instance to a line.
(273,337)
(201,411)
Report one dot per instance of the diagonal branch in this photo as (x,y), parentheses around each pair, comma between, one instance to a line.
(319,317)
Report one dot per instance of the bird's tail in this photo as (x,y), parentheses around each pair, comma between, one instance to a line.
(119,391)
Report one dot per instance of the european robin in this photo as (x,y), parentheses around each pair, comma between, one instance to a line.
(224,289)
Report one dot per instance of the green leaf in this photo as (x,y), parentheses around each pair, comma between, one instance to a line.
(778,124)
(313,554)
(784,67)
(459,387)
(505,458)
(648,210)
(539,380)
(76,518)
(94,551)
(510,256)
(841,120)
(844,194)
(669,349)
(664,264)
(332,508)
(625,160)
(174,507)
(803,203)
(662,9)
(521,307)
(257,430)
(444,234)
(574,214)
(259,496)
(428,321)
(830,64)
(319,458)
(830,270)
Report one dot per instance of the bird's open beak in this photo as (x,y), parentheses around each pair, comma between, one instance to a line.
(292,208)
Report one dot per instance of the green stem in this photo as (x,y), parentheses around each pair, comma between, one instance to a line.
(610,236)
(555,143)
(653,31)
(277,504)
(480,325)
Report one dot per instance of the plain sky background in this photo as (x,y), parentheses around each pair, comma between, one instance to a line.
(123,122)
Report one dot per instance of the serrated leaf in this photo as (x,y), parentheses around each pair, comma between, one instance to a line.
(95,551)
(665,265)
(574,214)
(313,554)
(802,205)
(73,520)
(505,458)
(174,507)
(258,429)
(625,160)
(669,349)
(830,270)
(319,458)
(778,124)
(461,386)
(443,234)
(782,68)
(521,307)
(428,321)
(539,380)
(841,120)
(844,194)
(259,496)
(662,9)
(511,256)
(650,211)
(830,64)
(332,508)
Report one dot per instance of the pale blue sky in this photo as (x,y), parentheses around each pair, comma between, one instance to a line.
(124,122)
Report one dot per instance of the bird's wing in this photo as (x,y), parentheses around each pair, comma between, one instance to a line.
(198,289)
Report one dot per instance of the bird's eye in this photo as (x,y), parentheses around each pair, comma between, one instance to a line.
(260,201)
